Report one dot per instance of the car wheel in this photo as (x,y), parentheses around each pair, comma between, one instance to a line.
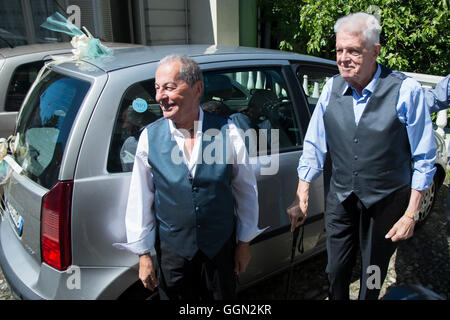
(428,198)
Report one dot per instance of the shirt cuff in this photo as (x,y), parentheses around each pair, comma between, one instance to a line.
(247,235)
(422,181)
(308,174)
(139,247)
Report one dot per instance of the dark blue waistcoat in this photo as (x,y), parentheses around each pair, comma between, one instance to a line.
(193,214)
(372,159)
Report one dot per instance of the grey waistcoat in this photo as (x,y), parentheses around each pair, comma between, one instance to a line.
(191,214)
(372,159)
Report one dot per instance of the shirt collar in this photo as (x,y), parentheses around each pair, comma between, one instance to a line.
(174,131)
(370,87)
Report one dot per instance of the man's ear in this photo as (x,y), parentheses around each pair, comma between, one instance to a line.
(376,50)
(198,89)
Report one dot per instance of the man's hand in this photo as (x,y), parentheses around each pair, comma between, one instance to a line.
(402,230)
(147,272)
(297,211)
(242,257)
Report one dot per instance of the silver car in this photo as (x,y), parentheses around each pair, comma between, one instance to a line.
(64,204)
(19,67)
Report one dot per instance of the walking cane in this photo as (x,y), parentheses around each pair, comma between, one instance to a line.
(291,265)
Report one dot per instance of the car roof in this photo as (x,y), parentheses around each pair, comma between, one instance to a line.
(51,48)
(129,57)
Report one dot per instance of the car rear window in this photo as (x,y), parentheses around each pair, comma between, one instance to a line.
(44,125)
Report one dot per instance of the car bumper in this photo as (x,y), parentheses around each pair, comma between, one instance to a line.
(9,243)
(30,280)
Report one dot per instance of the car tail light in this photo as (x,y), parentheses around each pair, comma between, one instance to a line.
(55,226)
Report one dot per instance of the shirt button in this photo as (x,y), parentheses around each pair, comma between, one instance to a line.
(355,140)
(198,226)
(355,173)
(355,157)
(195,189)
(197,209)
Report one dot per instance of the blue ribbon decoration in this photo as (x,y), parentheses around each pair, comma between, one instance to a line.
(90,47)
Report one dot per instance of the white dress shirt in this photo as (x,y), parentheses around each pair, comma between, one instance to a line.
(140,219)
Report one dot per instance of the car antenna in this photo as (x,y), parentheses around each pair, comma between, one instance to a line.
(7,42)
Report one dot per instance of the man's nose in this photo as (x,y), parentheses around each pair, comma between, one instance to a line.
(160,94)
(344,55)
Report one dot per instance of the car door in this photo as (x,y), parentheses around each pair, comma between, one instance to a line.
(313,77)
(282,105)
(265,96)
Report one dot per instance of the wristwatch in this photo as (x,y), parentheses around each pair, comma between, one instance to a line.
(413,216)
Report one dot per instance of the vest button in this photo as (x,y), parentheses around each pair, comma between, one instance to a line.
(355,173)
(195,189)
(355,157)
(355,140)
(197,209)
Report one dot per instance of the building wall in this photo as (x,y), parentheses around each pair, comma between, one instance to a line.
(214,22)
(20,21)
(226,30)
(165,22)
(248,23)
(96,17)
(201,17)
(149,22)
(192,21)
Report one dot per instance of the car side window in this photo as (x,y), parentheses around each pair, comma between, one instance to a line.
(21,81)
(313,78)
(258,102)
(138,108)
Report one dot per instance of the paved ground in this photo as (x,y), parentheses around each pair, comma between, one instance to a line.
(422,260)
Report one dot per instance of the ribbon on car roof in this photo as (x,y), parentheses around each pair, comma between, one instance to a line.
(85,46)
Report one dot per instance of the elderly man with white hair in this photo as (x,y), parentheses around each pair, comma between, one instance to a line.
(377,129)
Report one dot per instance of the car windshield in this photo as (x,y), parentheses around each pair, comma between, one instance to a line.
(44,125)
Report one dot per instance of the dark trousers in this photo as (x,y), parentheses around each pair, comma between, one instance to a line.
(350,225)
(201,278)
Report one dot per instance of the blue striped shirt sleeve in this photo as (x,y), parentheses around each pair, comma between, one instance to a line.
(315,143)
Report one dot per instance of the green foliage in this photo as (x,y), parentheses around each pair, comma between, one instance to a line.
(415,34)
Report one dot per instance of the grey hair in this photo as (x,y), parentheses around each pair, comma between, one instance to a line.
(189,72)
(362,22)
